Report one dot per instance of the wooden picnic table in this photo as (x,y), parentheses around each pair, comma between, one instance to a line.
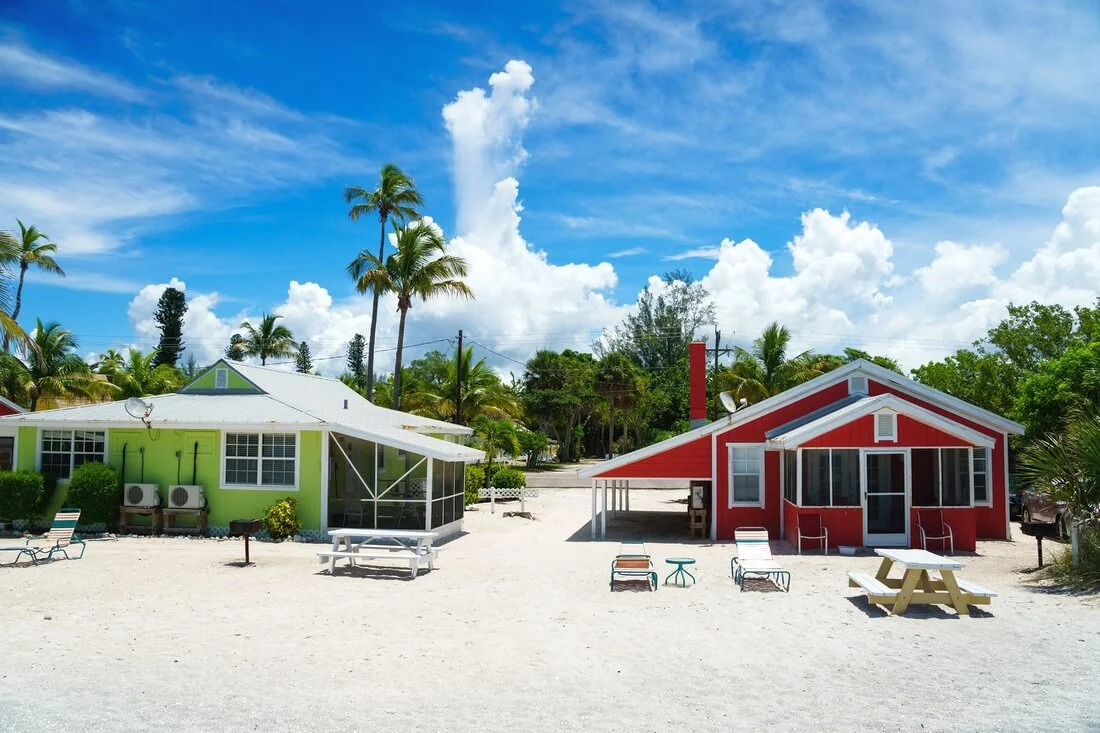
(899,593)
(413,546)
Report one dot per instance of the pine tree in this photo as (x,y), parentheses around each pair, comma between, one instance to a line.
(303,362)
(356,347)
(235,350)
(169,318)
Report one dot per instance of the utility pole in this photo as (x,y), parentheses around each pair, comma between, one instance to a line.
(458,382)
(718,351)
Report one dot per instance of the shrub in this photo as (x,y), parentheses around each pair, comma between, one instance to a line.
(475,479)
(281,519)
(509,478)
(22,495)
(1084,575)
(93,489)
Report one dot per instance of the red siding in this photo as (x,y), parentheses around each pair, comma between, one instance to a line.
(991,521)
(749,516)
(690,460)
(961,520)
(754,430)
(845,524)
(7,410)
(860,433)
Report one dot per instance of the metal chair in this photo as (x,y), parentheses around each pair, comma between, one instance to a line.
(810,527)
(932,527)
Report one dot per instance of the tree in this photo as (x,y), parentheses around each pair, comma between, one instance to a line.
(235,350)
(27,253)
(394,198)
(139,375)
(420,268)
(268,340)
(618,384)
(1059,388)
(765,369)
(493,437)
(431,388)
(169,319)
(667,318)
(55,371)
(1032,334)
(532,443)
(355,359)
(985,379)
(558,396)
(303,360)
(1066,466)
(191,367)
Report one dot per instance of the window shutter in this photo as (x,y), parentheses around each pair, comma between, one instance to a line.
(886,426)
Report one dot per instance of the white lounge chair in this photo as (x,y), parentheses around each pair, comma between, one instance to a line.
(754,557)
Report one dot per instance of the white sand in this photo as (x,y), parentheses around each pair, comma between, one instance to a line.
(516,630)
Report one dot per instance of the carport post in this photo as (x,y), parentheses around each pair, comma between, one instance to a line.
(603,513)
(593,522)
(626,490)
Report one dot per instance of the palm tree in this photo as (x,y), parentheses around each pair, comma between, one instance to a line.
(482,393)
(268,340)
(617,381)
(135,375)
(55,371)
(395,198)
(493,437)
(764,370)
(27,252)
(420,268)
(109,361)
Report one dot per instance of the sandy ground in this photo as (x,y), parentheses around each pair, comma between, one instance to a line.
(516,630)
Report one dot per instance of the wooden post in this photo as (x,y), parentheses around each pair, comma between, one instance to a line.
(1039,544)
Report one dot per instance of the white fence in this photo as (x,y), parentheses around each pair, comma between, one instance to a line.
(493,493)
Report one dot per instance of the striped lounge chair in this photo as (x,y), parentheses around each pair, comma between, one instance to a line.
(59,539)
(754,557)
(633,562)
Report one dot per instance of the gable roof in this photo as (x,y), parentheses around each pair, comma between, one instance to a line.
(11,405)
(793,435)
(854,368)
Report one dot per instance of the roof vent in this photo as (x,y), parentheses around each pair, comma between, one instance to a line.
(345,404)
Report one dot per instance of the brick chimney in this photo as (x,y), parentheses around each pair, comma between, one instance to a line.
(697,366)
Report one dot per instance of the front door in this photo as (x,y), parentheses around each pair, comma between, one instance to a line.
(885,498)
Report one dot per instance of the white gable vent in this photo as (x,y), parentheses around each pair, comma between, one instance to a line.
(857,385)
(886,427)
(221,378)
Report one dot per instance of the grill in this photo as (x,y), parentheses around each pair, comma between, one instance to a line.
(245,528)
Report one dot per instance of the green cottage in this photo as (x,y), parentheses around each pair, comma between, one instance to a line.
(239,437)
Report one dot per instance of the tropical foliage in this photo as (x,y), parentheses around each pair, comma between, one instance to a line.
(139,375)
(396,199)
(496,438)
(420,269)
(31,249)
(53,371)
(267,340)
(171,309)
(432,385)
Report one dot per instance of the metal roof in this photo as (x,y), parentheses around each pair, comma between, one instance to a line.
(809,417)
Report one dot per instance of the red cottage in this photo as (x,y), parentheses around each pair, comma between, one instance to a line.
(869,451)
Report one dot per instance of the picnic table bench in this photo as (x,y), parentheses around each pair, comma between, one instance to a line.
(899,593)
(411,546)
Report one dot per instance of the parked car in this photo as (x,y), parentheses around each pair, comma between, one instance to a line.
(1038,507)
(1015,504)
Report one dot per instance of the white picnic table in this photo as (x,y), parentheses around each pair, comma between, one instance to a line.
(899,593)
(355,544)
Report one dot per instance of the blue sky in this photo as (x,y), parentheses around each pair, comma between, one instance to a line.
(869,174)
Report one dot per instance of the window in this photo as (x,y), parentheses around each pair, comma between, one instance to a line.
(64,450)
(448,491)
(7,453)
(746,475)
(790,476)
(886,427)
(261,459)
(830,477)
(941,476)
(857,385)
(221,379)
(981,476)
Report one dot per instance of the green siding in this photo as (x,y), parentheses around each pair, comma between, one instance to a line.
(157,450)
(205,382)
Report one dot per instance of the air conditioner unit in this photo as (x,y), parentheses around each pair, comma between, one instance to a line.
(185,496)
(143,495)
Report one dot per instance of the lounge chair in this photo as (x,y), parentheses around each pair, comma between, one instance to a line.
(60,537)
(932,527)
(754,557)
(810,527)
(633,562)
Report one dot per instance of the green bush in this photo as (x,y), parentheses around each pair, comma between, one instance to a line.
(93,489)
(475,479)
(509,478)
(1086,574)
(281,519)
(22,495)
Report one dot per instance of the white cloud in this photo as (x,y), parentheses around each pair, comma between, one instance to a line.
(629,252)
(697,253)
(958,266)
(30,68)
(205,334)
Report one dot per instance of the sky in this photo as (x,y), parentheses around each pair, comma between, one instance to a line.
(887,176)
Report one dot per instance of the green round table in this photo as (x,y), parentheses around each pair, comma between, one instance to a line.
(681,573)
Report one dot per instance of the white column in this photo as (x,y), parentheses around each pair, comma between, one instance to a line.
(603,513)
(325,437)
(627,494)
(595,483)
(428,498)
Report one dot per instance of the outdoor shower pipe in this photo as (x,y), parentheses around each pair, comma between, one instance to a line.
(195,462)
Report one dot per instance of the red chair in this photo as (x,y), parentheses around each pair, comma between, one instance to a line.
(810,527)
(932,527)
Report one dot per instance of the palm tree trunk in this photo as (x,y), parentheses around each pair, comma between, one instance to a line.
(397,361)
(611,430)
(374,316)
(18,305)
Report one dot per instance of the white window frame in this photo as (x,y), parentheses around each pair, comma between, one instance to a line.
(221,378)
(729,466)
(852,389)
(222,483)
(988,501)
(879,436)
(72,451)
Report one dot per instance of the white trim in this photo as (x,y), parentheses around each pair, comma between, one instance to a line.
(906,493)
(729,470)
(714,487)
(797,477)
(870,405)
(221,378)
(861,366)
(882,436)
(782,497)
(429,493)
(988,477)
(72,448)
(1008,490)
(324,479)
(223,484)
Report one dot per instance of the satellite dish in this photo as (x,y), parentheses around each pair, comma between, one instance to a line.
(139,408)
(727,401)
